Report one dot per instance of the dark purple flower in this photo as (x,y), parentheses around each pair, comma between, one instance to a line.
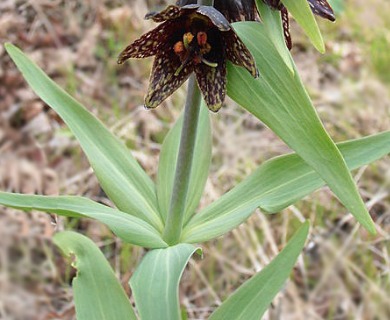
(245,10)
(190,39)
(319,7)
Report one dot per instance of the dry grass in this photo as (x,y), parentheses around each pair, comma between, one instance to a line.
(344,273)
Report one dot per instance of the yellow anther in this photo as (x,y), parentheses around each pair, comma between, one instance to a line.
(187,39)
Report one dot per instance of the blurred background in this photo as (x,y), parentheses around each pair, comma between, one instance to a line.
(344,272)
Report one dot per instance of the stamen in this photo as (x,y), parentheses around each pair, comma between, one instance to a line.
(187,39)
(202,38)
(178,48)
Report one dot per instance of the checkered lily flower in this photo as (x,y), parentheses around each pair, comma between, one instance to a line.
(319,7)
(192,38)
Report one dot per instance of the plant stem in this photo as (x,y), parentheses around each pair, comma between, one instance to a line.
(174,223)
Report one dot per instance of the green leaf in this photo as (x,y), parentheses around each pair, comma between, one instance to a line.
(357,153)
(118,172)
(273,23)
(252,299)
(97,292)
(155,283)
(128,228)
(302,14)
(338,6)
(276,184)
(200,165)
(279,99)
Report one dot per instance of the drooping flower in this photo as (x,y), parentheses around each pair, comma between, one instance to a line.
(191,38)
(319,7)
(246,10)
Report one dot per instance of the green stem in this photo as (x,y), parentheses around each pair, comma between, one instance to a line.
(174,223)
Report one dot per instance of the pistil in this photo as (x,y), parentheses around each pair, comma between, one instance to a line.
(187,50)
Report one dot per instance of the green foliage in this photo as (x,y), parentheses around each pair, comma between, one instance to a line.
(275,185)
(155,283)
(302,13)
(252,299)
(272,22)
(97,292)
(119,174)
(128,228)
(337,6)
(279,99)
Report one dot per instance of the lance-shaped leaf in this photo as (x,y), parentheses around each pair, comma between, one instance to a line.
(252,299)
(200,165)
(155,283)
(302,14)
(282,103)
(118,172)
(97,292)
(357,153)
(275,185)
(129,228)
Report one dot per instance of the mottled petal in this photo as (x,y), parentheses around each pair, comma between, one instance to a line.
(322,9)
(215,17)
(163,81)
(212,83)
(248,9)
(150,43)
(169,13)
(231,9)
(286,27)
(238,53)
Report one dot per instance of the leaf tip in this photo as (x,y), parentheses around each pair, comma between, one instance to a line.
(199,252)
(306,224)
(11,49)
(8,46)
(370,227)
(320,47)
(304,228)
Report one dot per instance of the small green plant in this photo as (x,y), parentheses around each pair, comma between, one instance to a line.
(162,215)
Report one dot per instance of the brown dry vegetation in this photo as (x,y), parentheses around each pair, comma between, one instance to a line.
(344,273)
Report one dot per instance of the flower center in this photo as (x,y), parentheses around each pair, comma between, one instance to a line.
(193,48)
